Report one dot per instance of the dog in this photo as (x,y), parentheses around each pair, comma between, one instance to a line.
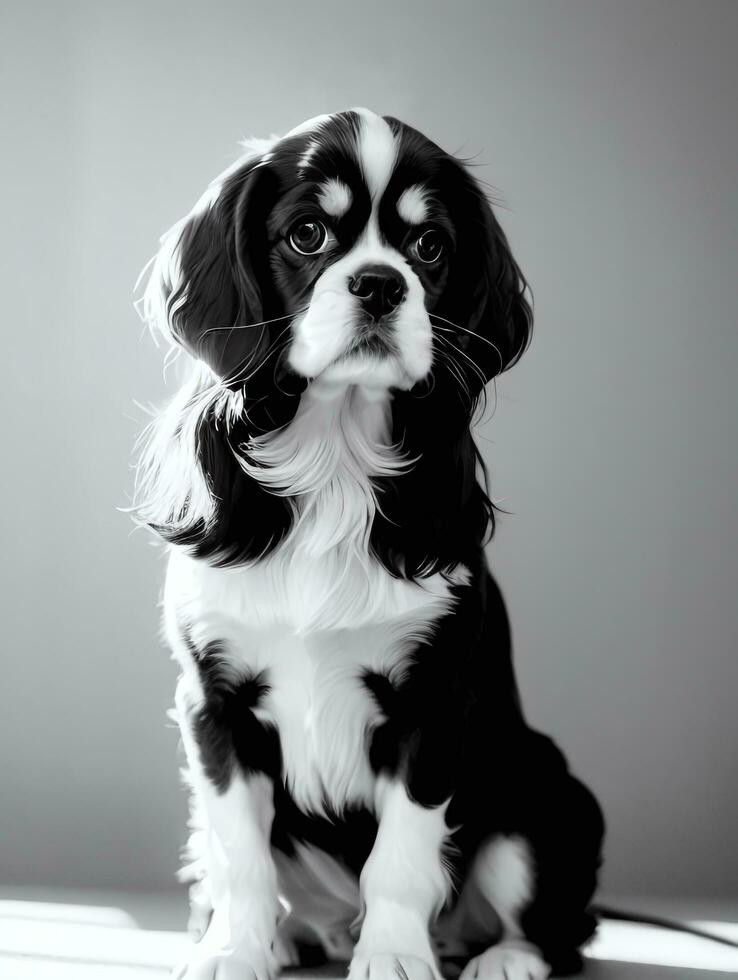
(364,785)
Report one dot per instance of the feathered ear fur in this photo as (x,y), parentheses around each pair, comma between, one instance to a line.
(487,292)
(210,288)
(503,314)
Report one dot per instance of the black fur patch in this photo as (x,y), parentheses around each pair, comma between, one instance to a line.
(225,728)
(348,836)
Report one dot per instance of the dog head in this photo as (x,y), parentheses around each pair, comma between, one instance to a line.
(353,250)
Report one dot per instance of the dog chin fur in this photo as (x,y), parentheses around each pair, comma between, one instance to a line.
(375,375)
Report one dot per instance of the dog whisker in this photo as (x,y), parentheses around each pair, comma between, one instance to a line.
(275,345)
(456,371)
(475,367)
(481,408)
(251,326)
(472,333)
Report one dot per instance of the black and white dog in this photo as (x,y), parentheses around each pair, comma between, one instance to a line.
(364,784)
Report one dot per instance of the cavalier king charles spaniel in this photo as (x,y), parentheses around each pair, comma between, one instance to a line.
(364,784)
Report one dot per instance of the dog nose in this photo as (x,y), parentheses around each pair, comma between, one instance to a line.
(379,288)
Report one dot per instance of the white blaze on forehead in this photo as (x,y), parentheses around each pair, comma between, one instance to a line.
(304,160)
(412,205)
(377,151)
(334,197)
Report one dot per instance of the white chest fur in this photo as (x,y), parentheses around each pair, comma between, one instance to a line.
(318,613)
(316,699)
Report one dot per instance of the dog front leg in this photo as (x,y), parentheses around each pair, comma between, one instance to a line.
(404,884)
(237,810)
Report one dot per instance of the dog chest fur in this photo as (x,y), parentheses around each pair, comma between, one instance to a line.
(264,619)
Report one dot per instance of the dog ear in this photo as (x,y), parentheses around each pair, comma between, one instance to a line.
(503,314)
(489,294)
(210,286)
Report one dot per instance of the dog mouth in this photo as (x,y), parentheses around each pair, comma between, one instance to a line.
(371,354)
(374,346)
(372,337)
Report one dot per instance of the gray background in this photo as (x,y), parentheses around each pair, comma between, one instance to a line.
(610,131)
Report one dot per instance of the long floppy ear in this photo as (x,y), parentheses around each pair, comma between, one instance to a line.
(503,314)
(489,294)
(210,288)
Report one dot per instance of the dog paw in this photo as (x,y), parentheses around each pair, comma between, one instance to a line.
(201,911)
(227,964)
(390,967)
(507,961)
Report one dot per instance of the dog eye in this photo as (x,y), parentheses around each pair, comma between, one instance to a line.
(429,247)
(308,237)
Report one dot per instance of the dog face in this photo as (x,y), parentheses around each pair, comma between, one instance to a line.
(352,250)
(363,257)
